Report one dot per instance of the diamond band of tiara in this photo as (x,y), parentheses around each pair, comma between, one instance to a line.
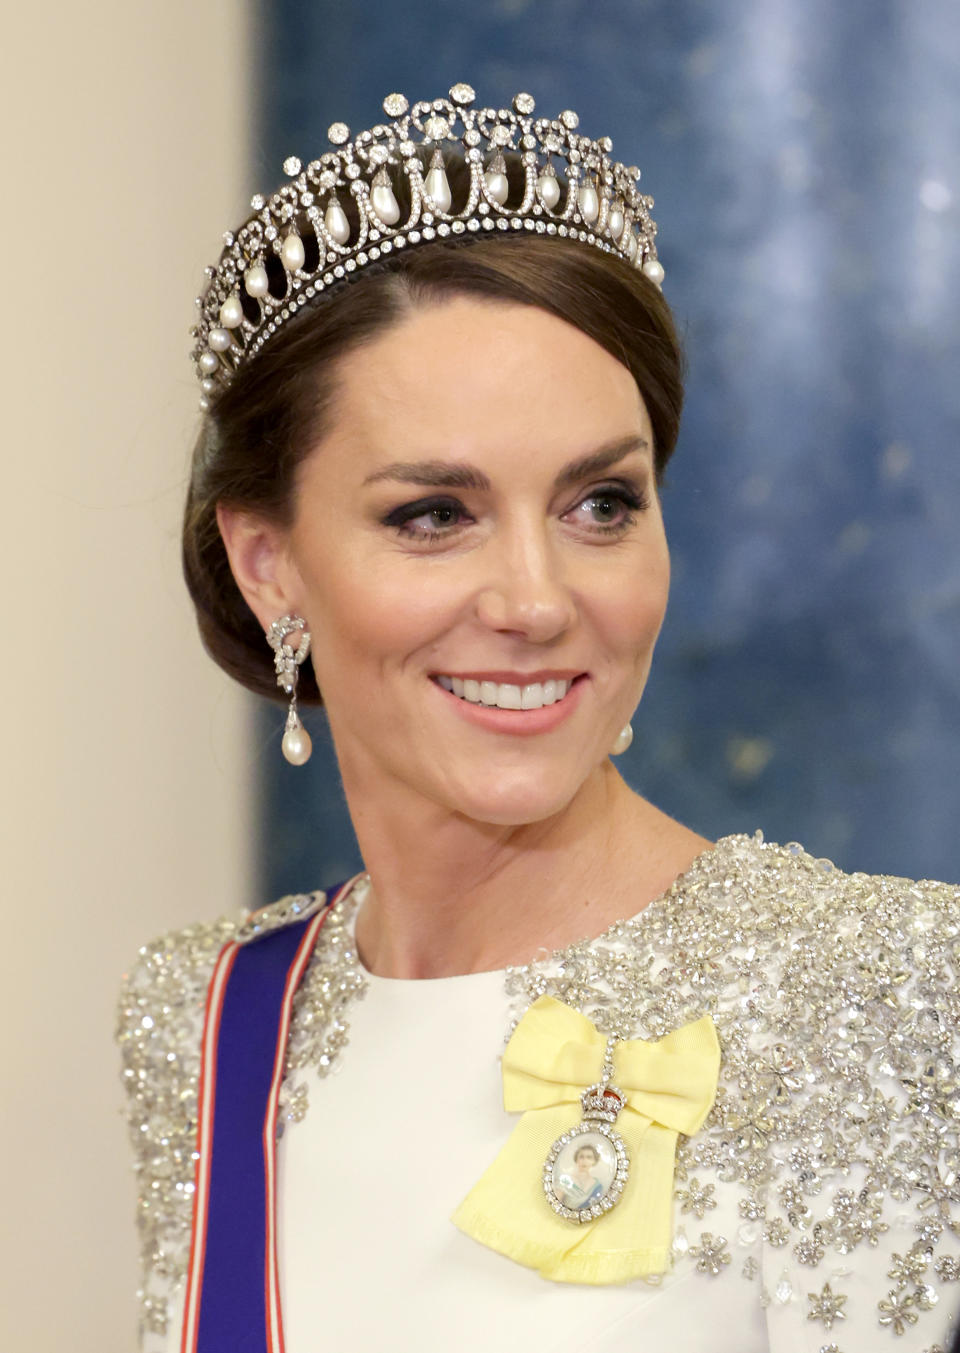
(302,240)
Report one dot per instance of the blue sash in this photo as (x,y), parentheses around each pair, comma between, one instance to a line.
(232,1297)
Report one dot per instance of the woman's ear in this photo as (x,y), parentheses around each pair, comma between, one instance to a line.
(260,564)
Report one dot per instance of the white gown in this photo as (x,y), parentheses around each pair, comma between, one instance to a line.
(812,1213)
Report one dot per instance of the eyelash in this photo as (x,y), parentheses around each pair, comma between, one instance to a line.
(401,518)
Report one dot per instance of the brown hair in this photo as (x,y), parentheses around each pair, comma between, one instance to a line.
(273,413)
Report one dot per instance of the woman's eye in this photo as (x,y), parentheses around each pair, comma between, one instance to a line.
(427,518)
(609,509)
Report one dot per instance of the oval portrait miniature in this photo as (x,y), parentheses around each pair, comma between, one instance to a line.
(585,1172)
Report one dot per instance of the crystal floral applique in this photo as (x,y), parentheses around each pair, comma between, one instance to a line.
(836,1002)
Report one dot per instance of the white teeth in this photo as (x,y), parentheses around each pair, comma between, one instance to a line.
(505,695)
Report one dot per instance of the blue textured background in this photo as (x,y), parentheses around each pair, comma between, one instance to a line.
(805,160)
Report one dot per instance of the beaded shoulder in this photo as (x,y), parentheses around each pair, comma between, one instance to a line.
(159,1030)
(836,1000)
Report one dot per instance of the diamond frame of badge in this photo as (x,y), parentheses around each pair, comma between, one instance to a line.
(611,1197)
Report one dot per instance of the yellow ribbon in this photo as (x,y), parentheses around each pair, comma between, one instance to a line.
(554,1054)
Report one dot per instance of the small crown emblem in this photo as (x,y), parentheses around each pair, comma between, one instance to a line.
(602,1102)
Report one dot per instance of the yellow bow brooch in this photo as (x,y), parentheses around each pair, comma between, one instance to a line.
(554,1055)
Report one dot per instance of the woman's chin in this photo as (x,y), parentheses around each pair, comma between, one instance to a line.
(517,804)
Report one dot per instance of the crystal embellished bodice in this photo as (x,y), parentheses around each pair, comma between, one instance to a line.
(835,1132)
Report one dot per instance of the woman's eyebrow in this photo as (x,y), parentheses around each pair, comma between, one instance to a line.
(458,475)
(444,474)
(602,459)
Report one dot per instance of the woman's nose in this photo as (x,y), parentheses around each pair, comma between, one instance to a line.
(526,593)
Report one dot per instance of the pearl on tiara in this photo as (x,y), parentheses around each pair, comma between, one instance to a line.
(292,253)
(255,280)
(318,243)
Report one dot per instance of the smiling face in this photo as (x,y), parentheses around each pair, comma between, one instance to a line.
(479,553)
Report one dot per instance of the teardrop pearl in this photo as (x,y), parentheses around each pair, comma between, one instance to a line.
(292,253)
(335,220)
(437,188)
(255,280)
(497,187)
(209,362)
(296,745)
(231,312)
(654,271)
(615,221)
(219,339)
(385,204)
(549,189)
(632,245)
(589,203)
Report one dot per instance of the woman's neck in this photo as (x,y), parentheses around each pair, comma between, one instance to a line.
(452,896)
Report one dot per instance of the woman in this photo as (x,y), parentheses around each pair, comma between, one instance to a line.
(440,482)
(580,1186)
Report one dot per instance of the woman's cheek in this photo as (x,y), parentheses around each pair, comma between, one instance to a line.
(393,616)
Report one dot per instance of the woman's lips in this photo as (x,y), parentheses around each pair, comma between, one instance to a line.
(504,710)
(526,694)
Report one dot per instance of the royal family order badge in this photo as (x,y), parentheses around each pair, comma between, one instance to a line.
(587,1168)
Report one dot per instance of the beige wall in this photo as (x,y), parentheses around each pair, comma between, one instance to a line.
(126,755)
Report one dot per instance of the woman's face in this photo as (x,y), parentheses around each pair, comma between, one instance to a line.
(480,529)
(585,1159)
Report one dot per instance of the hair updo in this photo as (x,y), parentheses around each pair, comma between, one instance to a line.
(275,410)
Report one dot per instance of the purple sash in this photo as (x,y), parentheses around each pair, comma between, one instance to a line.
(233,1291)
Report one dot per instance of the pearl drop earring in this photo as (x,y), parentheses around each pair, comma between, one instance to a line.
(296,745)
(623,740)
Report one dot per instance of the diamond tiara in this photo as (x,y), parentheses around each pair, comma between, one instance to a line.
(301,240)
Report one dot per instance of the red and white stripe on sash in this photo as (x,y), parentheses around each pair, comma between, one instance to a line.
(272,1275)
(207,1101)
(274,1341)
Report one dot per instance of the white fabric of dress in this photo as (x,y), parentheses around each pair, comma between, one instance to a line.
(823,1220)
(405,1278)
